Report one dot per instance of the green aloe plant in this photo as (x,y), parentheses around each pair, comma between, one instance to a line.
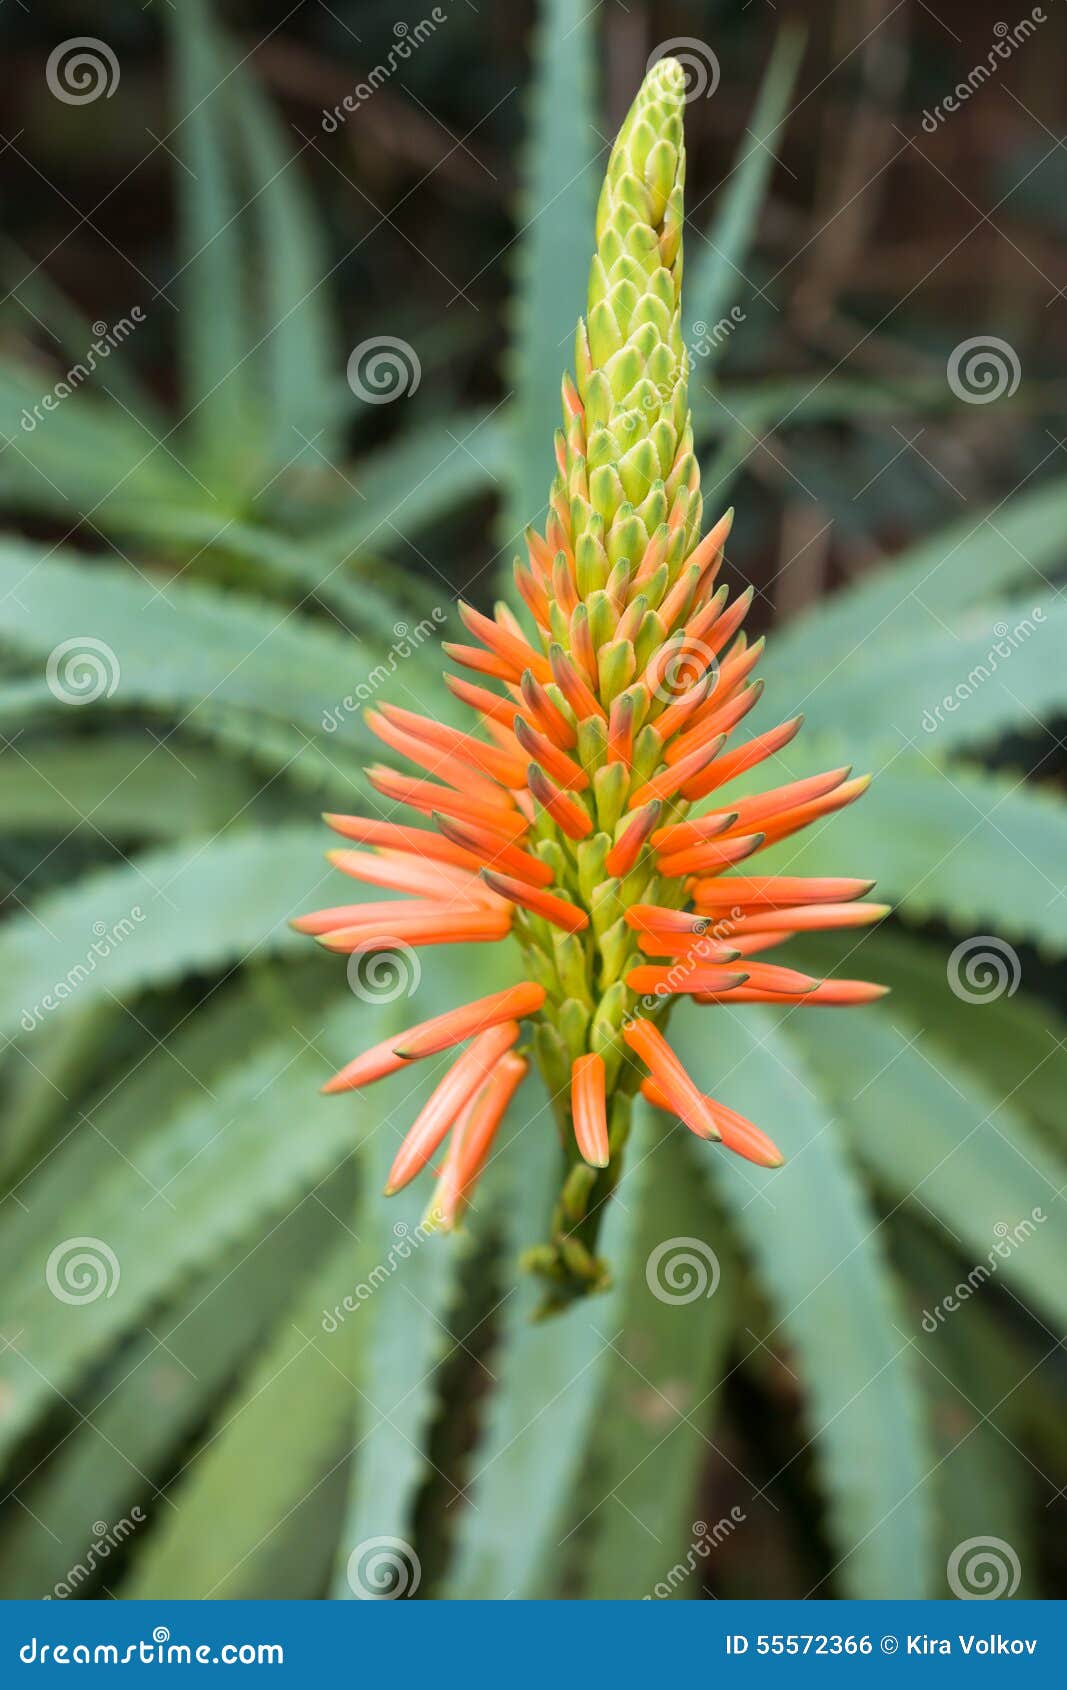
(168,1033)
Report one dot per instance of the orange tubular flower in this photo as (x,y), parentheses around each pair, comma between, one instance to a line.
(563,815)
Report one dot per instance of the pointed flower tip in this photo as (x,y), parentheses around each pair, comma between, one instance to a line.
(668,74)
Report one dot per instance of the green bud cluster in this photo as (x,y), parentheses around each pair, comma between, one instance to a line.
(629,460)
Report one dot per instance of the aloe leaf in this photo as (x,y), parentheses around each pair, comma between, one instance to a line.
(1022,1050)
(216,1171)
(73,331)
(217,338)
(127,786)
(85,457)
(179,647)
(280,1440)
(753,408)
(717,275)
(836,1303)
(984,851)
(404,487)
(154,1395)
(952,687)
(107,1112)
(349,585)
(655,1429)
(1015,544)
(956,1148)
(984,1472)
(399,1295)
(198,906)
(39,1087)
(300,362)
(549,1377)
(556,221)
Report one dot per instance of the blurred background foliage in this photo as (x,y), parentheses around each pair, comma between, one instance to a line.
(252,540)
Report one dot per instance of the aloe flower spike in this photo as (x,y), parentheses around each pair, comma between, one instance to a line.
(586,816)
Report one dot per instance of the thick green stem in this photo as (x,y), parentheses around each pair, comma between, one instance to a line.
(568,1262)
